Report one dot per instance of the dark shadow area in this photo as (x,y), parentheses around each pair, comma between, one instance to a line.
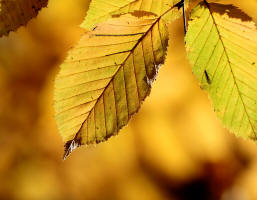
(14,14)
(230,10)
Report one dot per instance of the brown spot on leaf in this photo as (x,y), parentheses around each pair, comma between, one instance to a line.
(230,10)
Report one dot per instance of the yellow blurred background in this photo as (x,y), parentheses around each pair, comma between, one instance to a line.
(174,148)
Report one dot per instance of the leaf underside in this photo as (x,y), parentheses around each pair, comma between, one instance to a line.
(101,10)
(222,47)
(107,76)
(15,13)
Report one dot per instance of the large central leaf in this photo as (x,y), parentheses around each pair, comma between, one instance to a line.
(106,77)
(222,47)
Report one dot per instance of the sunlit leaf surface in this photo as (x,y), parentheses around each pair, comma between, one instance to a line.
(101,10)
(105,78)
(222,47)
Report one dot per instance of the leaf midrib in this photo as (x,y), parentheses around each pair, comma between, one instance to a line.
(121,65)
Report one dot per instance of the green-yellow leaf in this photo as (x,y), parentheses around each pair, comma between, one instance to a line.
(106,77)
(15,13)
(101,10)
(222,48)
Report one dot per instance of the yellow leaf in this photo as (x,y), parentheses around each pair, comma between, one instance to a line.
(101,10)
(222,47)
(106,77)
(15,13)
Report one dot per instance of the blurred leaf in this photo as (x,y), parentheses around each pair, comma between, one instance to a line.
(15,13)
(107,76)
(221,45)
(100,10)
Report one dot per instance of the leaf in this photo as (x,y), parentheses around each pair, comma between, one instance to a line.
(222,47)
(101,10)
(15,13)
(106,77)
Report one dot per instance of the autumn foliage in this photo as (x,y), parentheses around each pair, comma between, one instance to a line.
(99,66)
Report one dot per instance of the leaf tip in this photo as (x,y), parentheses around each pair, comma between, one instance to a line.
(70,146)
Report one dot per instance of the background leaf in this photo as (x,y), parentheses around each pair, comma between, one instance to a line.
(222,44)
(106,77)
(101,10)
(15,13)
